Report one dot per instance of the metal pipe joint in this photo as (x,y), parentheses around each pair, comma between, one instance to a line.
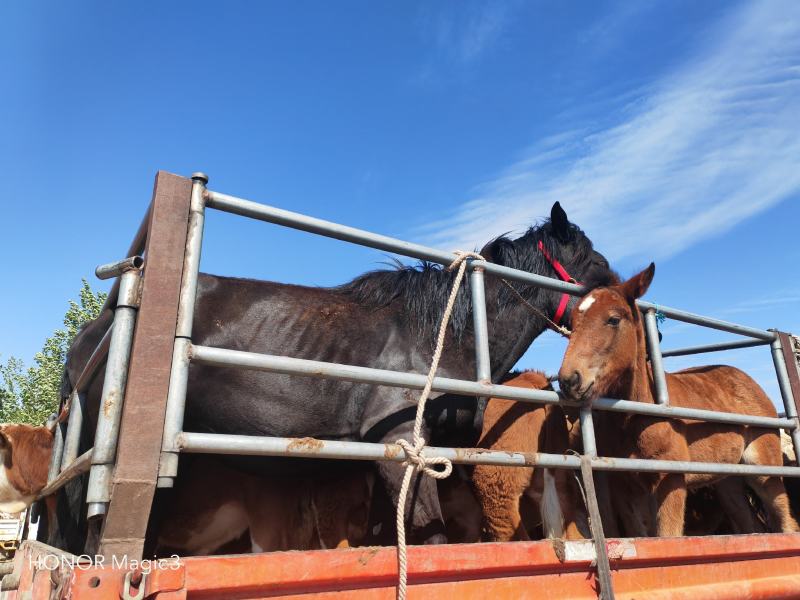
(116,269)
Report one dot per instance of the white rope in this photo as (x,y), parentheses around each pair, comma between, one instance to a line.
(415,460)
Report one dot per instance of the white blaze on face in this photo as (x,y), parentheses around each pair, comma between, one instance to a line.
(586,303)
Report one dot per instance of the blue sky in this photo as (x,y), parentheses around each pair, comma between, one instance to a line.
(670,131)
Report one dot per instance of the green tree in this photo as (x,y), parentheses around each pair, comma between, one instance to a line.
(30,395)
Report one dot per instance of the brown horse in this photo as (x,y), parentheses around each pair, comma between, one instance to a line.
(213,505)
(525,427)
(606,356)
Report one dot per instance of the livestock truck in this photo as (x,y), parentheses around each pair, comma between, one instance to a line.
(140,430)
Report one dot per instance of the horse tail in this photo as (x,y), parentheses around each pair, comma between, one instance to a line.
(552,516)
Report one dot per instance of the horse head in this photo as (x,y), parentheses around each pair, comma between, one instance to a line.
(557,248)
(607,343)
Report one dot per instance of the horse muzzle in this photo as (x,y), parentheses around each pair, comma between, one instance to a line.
(577,387)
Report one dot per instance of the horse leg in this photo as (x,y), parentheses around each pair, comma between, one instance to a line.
(422,511)
(499,490)
(637,513)
(671,503)
(341,508)
(551,506)
(628,505)
(766,450)
(576,524)
(776,502)
(280,516)
(460,508)
(605,502)
(732,496)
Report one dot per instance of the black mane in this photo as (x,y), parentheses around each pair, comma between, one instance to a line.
(423,287)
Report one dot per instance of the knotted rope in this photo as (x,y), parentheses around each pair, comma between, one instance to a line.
(415,459)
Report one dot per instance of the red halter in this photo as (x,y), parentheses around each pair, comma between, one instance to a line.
(562,273)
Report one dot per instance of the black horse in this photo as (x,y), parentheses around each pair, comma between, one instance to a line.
(385,319)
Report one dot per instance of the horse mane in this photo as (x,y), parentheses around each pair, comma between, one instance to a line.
(423,287)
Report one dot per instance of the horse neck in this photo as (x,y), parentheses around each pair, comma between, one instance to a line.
(511,330)
(638,383)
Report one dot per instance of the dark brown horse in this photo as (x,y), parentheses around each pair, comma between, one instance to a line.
(606,356)
(385,319)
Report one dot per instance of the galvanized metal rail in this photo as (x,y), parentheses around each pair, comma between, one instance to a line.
(108,420)
(116,344)
(719,347)
(174,441)
(252,445)
(113,351)
(223,357)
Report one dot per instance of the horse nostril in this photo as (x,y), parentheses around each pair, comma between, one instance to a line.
(570,383)
(575,380)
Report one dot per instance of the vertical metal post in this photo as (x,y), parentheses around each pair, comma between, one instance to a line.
(72,440)
(587,433)
(480,325)
(786,391)
(654,351)
(58,450)
(176,406)
(77,399)
(595,521)
(179,374)
(111,400)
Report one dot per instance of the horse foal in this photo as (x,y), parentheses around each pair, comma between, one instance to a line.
(525,427)
(606,356)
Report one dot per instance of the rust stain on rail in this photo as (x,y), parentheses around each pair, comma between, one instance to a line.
(109,402)
(306,444)
(367,555)
(468,453)
(390,451)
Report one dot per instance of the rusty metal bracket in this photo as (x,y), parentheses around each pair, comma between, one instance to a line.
(792,366)
(134,479)
(126,586)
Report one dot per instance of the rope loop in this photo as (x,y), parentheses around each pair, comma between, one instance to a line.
(461,256)
(423,464)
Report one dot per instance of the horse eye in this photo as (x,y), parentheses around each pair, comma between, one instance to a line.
(613,321)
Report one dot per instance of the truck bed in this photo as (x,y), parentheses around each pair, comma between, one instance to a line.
(719,568)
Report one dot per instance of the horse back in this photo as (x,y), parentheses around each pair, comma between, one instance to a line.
(720,388)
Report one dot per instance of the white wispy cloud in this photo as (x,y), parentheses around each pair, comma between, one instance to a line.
(459,37)
(702,149)
(774,300)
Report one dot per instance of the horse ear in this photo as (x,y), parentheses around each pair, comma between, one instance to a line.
(487,252)
(636,286)
(52,421)
(560,223)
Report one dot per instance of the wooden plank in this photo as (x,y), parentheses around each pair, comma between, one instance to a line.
(139,448)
